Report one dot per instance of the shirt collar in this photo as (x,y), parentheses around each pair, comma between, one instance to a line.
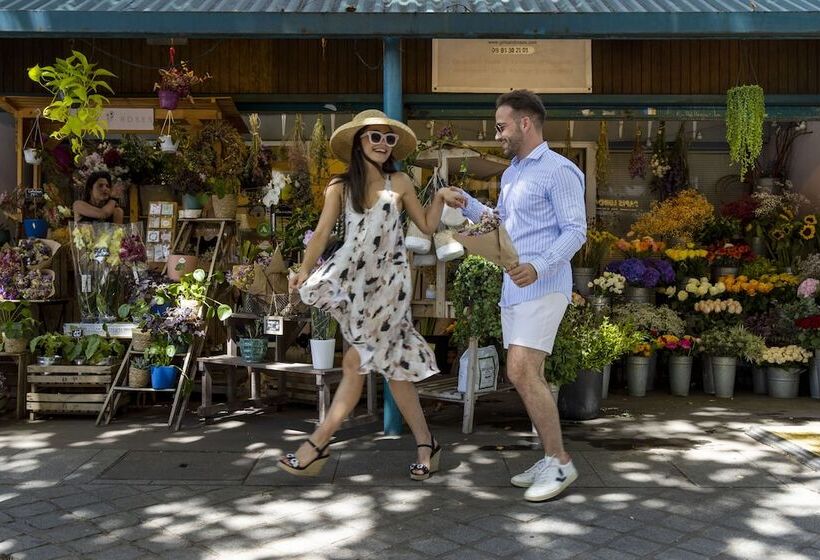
(535,154)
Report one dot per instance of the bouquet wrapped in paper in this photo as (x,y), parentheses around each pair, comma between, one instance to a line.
(490,240)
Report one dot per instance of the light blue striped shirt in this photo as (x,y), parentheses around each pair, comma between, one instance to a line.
(541,204)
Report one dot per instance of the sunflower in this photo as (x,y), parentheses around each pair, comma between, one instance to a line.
(807,232)
(778,235)
(810,219)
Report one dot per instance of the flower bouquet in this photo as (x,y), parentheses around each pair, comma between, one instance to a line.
(108,158)
(677,346)
(644,273)
(733,342)
(639,247)
(688,262)
(97,250)
(675,218)
(650,319)
(792,358)
(609,283)
(594,250)
(490,240)
(729,255)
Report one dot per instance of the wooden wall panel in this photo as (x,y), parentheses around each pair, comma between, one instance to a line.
(354,66)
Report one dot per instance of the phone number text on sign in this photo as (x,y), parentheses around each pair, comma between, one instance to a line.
(512,50)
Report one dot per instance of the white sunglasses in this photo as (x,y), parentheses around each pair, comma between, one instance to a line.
(376,137)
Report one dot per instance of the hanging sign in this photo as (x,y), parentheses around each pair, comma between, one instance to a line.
(499,65)
(128,118)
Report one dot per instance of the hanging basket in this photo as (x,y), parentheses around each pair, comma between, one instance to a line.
(224,207)
(168,99)
(33,151)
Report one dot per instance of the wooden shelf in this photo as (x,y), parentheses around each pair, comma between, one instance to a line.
(144,389)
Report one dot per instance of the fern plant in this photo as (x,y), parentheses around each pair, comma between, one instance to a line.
(745,110)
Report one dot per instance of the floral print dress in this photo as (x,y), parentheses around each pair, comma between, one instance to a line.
(366,287)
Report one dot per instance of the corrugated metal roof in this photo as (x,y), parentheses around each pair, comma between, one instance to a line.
(513,19)
(419,6)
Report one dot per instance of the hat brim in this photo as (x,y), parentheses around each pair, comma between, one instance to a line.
(341,142)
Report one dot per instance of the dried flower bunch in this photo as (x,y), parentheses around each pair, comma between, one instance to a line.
(179,79)
(489,222)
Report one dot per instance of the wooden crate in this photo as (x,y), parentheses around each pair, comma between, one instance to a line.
(67,389)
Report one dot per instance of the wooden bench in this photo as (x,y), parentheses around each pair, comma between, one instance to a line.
(323,378)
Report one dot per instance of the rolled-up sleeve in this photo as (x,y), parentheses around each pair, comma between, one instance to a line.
(474,209)
(566,189)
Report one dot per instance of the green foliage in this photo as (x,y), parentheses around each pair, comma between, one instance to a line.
(476,293)
(93,348)
(75,84)
(160,353)
(718,230)
(562,366)
(194,286)
(735,341)
(223,186)
(745,111)
(758,267)
(145,163)
(136,312)
(16,320)
(322,325)
(649,319)
(302,219)
(49,344)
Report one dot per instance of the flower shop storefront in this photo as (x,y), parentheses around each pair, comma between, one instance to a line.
(696,276)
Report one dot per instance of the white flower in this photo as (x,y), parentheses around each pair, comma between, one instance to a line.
(682,295)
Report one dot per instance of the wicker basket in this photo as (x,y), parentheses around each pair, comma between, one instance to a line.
(15,345)
(140,340)
(224,207)
(138,378)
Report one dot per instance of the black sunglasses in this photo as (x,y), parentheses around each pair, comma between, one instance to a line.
(376,137)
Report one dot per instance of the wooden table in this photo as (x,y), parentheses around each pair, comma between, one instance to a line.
(323,378)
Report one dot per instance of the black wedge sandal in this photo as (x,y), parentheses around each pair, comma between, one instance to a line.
(290,464)
(419,471)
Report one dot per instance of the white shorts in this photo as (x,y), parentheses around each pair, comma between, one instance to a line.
(534,324)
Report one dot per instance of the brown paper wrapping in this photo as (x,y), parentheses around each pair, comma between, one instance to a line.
(495,246)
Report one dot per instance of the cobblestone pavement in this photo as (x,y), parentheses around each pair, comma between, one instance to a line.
(659,478)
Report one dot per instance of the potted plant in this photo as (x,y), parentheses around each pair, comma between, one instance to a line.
(16,326)
(48,347)
(93,349)
(224,191)
(725,345)
(178,325)
(606,286)
(192,291)
(587,261)
(175,83)
(680,351)
(727,258)
(784,366)
(322,339)
(745,111)
(137,312)
(160,355)
(564,363)
(475,294)
(139,375)
(78,104)
(254,345)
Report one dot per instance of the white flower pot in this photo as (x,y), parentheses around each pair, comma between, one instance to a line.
(452,217)
(428,259)
(167,144)
(322,353)
(32,157)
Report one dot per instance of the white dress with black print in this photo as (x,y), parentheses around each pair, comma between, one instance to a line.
(366,287)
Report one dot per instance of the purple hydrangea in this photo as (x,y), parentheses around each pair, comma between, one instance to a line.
(650,277)
(664,268)
(633,270)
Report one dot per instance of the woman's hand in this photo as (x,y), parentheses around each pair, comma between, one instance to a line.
(453,197)
(296,280)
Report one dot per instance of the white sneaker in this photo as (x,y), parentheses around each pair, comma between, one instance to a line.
(551,480)
(526,478)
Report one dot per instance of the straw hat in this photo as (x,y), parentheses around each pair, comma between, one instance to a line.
(342,140)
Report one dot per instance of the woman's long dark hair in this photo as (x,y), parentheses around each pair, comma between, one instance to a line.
(355,178)
(93,178)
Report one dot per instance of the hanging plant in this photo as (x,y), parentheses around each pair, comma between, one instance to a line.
(602,157)
(677,177)
(659,162)
(637,160)
(745,110)
(297,155)
(319,166)
(77,103)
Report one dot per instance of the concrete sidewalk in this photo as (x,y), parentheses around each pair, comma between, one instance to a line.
(660,477)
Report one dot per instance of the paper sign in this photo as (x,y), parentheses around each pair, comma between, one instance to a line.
(274,325)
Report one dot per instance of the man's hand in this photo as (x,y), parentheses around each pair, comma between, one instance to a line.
(523,275)
(453,197)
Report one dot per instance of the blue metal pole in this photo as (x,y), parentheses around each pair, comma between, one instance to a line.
(393,108)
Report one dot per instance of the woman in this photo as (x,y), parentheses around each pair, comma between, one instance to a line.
(97,204)
(366,285)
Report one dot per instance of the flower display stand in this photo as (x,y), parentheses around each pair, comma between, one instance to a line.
(67,389)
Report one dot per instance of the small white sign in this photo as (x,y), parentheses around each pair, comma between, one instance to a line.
(129,118)
(274,325)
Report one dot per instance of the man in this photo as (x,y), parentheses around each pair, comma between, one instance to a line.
(541,204)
